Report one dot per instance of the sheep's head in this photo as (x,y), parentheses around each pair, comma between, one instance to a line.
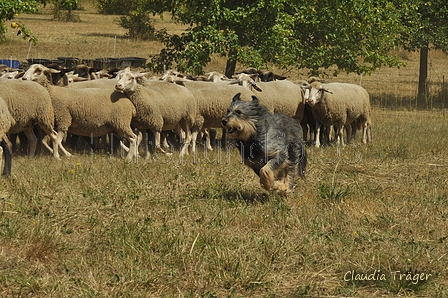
(128,81)
(246,80)
(215,77)
(37,71)
(314,93)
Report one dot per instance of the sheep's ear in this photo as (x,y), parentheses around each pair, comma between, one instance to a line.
(254,76)
(236,97)
(51,70)
(326,90)
(255,86)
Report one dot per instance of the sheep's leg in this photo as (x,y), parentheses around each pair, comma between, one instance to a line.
(32,140)
(5,148)
(53,135)
(305,133)
(318,127)
(194,138)
(184,132)
(164,140)
(207,140)
(369,132)
(54,139)
(348,130)
(133,151)
(340,134)
(124,147)
(364,132)
(58,144)
(45,141)
(157,143)
(145,138)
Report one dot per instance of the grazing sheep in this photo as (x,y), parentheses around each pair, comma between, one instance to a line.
(88,111)
(339,104)
(29,105)
(6,121)
(160,106)
(212,101)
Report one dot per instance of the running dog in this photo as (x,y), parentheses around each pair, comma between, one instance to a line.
(270,144)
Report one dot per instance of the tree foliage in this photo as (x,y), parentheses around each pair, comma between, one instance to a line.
(63,10)
(133,18)
(355,36)
(426,28)
(9,9)
(426,24)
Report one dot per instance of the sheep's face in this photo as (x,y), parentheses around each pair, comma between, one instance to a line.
(313,96)
(127,82)
(34,72)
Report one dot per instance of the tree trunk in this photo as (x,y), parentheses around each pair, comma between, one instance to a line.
(231,63)
(423,78)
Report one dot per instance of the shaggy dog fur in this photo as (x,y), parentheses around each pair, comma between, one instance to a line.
(270,144)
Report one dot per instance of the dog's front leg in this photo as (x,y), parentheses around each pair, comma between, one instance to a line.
(269,174)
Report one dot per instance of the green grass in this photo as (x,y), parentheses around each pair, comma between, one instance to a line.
(95,226)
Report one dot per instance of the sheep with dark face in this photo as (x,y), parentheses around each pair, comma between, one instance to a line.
(339,104)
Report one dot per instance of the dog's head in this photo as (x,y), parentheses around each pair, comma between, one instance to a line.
(242,116)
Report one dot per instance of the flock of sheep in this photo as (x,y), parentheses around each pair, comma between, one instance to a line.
(130,103)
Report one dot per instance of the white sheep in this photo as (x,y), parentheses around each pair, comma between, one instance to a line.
(6,121)
(88,111)
(160,106)
(212,101)
(103,83)
(29,104)
(282,96)
(339,104)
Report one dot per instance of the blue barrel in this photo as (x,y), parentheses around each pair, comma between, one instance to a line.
(10,63)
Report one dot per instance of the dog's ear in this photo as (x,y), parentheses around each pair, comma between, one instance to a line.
(236,97)
(254,99)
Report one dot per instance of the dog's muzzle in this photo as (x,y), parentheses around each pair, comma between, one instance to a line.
(229,129)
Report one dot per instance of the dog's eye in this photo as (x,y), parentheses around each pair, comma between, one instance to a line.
(238,112)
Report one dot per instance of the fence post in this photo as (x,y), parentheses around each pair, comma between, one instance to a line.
(443,96)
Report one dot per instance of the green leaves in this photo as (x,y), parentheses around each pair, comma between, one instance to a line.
(9,9)
(353,36)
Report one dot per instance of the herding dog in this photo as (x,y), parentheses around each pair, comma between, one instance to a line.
(270,144)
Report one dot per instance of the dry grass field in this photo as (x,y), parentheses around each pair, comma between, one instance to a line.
(368,221)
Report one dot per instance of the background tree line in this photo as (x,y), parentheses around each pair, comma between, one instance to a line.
(355,36)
